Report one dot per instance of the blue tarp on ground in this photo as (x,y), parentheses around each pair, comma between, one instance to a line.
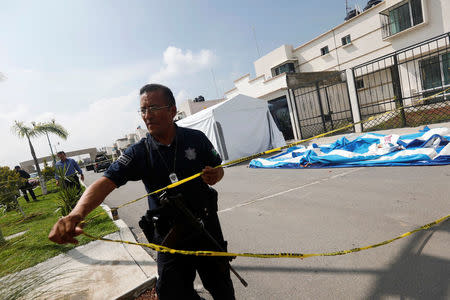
(426,148)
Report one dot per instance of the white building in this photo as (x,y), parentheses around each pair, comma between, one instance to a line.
(191,107)
(122,144)
(382,29)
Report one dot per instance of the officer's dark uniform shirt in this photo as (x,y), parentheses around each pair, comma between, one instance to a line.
(24,174)
(188,154)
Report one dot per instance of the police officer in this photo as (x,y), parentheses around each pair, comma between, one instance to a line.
(26,186)
(169,153)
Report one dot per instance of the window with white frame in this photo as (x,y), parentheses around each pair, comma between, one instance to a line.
(405,15)
(324,50)
(346,40)
(285,68)
(435,73)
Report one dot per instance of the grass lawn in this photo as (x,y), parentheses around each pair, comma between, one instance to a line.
(34,247)
(416,118)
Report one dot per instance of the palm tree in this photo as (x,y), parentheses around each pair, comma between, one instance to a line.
(52,127)
(21,130)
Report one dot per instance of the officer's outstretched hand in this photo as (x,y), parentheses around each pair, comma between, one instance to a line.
(212,175)
(66,229)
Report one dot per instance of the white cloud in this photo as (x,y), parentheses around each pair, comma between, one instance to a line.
(67,96)
(104,121)
(72,87)
(178,63)
(2,77)
(98,125)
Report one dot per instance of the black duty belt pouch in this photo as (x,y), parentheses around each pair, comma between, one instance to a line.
(212,201)
(159,220)
(147,227)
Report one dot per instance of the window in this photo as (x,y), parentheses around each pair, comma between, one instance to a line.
(435,73)
(346,40)
(324,50)
(416,11)
(286,68)
(402,17)
(359,84)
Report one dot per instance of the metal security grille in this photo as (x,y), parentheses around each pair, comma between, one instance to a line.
(401,80)
(323,105)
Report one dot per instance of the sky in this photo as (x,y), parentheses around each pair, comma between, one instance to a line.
(82,63)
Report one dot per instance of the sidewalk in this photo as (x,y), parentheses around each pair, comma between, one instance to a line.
(97,270)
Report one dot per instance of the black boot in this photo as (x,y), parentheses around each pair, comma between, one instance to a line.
(32,195)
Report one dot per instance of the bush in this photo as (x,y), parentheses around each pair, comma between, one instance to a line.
(68,195)
(10,181)
(48,172)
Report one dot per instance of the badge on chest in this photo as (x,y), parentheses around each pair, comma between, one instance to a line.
(190,153)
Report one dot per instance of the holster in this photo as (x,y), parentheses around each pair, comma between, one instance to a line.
(165,225)
(147,227)
(158,221)
(211,204)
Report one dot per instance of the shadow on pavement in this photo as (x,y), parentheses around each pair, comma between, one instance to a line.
(80,257)
(414,275)
(411,276)
(307,270)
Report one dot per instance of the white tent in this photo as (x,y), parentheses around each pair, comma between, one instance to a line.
(238,127)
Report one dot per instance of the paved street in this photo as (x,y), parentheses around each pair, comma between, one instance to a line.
(326,210)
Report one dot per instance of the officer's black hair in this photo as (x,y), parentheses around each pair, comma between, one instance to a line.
(16,167)
(152,87)
(61,152)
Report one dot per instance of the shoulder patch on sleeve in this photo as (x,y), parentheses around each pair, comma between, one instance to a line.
(124,160)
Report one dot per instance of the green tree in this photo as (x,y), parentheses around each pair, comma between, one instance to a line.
(48,172)
(10,181)
(52,127)
(23,131)
(9,191)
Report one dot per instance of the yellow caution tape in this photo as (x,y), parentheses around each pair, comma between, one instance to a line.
(160,248)
(164,249)
(237,161)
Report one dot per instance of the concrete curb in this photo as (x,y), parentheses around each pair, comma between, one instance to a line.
(137,253)
(10,237)
(140,289)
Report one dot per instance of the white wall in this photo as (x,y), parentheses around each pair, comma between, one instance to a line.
(190,107)
(258,87)
(141,133)
(122,143)
(367,43)
(264,64)
(184,106)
